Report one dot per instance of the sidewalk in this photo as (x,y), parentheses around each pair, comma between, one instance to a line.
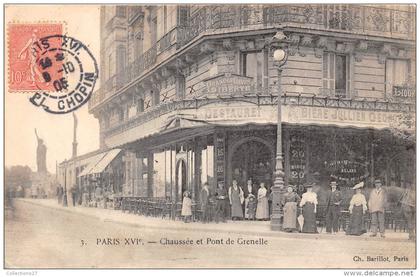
(252,228)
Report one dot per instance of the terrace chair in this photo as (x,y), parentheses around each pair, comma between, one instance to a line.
(166,209)
(178,209)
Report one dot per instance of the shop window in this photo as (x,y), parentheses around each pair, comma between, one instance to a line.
(397,74)
(336,74)
(252,65)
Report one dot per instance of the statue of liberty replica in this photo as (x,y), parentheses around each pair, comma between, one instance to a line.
(41,155)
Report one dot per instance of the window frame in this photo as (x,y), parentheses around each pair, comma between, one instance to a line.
(329,76)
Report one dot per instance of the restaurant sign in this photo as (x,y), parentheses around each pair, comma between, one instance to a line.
(343,117)
(229,84)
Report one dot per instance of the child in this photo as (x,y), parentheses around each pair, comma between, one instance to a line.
(252,207)
(186,207)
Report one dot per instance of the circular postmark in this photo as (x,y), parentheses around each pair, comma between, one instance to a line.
(68,74)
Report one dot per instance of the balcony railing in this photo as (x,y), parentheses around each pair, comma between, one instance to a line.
(354,18)
(132,71)
(366,20)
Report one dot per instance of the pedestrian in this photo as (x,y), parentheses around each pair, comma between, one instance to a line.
(73,192)
(205,202)
(333,208)
(357,209)
(252,207)
(376,204)
(221,196)
(290,202)
(262,203)
(308,203)
(60,192)
(186,211)
(236,198)
(248,191)
(408,205)
(98,195)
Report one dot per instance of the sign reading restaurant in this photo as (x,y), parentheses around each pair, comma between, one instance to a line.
(229,84)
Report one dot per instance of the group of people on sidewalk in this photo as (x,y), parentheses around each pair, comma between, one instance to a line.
(299,213)
(358,208)
(245,203)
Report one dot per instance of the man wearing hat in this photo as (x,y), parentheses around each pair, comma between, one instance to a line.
(376,204)
(333,208)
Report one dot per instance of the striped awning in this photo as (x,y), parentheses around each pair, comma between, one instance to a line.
(105,161)
(92,163)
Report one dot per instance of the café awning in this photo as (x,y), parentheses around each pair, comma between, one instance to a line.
(105,161)
(92,163)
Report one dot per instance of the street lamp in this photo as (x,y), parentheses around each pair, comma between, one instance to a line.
(65,185)
(280,56)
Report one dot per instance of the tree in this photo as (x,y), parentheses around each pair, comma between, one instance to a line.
(18,175)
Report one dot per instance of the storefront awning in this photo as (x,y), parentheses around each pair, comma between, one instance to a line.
(92,163)
(105,161)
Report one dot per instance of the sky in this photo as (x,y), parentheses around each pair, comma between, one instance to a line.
(22,117)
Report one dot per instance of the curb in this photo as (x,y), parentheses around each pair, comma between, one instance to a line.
(261,233)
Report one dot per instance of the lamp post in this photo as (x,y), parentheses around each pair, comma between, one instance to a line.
(280,57)
(65,185)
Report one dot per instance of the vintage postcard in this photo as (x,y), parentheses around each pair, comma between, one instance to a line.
(210,136)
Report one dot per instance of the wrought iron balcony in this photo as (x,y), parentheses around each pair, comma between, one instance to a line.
(213,19)
(367,20)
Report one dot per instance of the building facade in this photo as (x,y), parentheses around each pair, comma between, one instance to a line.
(189,94)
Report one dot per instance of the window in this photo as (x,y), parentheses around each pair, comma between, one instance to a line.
(253,65)
(121,58)
(153,27)
(109,66)
(397,74)
(155,97)
(140,105)
(183,15)
(335,74)
(121,11)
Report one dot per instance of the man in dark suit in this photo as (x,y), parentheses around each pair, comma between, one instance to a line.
(333,208)
(205,202)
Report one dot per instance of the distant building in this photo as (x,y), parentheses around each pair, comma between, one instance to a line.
(189,93)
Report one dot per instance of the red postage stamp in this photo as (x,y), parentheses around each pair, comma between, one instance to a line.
(25,63)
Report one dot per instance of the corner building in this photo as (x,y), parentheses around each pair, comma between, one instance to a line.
(189,93)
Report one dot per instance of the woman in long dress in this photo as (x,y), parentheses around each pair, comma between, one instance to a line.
(186,211)
(262,205)
(290,201)
(236,198)
(308,203)
(357,208)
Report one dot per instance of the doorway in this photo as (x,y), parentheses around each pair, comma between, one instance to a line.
(253,159)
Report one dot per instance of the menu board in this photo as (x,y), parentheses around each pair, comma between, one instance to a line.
(220,158)
(297,160)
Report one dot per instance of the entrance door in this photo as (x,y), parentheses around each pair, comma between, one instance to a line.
(255,160)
